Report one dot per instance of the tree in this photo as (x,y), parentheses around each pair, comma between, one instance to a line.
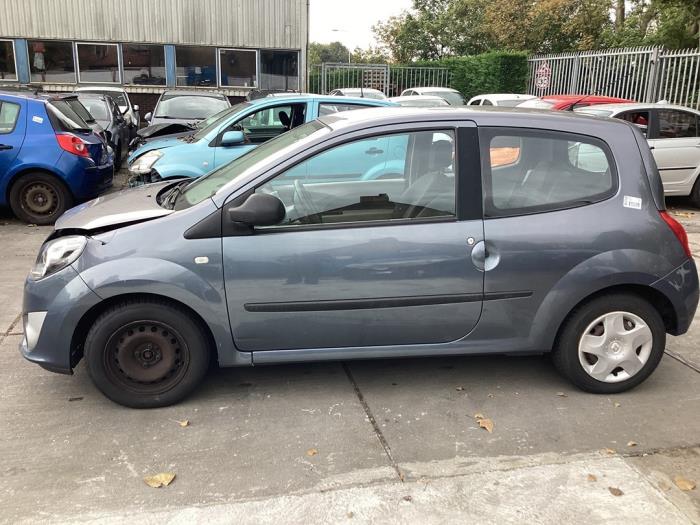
(333,52)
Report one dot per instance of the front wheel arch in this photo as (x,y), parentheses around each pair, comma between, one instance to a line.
(89,318)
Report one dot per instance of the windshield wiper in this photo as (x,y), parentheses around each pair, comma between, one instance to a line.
(171,199)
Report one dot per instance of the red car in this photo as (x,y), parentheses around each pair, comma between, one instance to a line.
(568,102)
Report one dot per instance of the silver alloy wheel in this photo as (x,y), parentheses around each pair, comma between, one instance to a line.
(615,347)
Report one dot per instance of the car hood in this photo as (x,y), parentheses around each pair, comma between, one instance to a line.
(158,143)
(167,128)
(192,122)
(123,207)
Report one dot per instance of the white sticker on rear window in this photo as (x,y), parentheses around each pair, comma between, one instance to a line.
(632,202)
(37,119)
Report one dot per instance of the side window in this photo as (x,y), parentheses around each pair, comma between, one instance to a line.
(539,171)
(267,123)
(390,177)
(674,124)
(9,113)
(328,109)
(486,102)
(638,118)
(475,102)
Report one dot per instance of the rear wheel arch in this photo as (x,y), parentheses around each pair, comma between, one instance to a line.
(27,171)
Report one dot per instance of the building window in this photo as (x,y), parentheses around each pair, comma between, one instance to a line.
(51,61)
(238,67)
(279,70)
(195,66)
(143,64)
(98,63)
(8,69)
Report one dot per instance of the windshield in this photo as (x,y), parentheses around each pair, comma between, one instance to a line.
(207,186)
(537,103)
(96,107)
(64,117)
(594,112)
(207,125)
(190,107)
(119,98)
(454,99)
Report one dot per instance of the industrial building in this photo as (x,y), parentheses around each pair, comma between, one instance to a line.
(147,46)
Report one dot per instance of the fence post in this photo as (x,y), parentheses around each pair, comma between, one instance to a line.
(323,78)
(653,78)
(573,84)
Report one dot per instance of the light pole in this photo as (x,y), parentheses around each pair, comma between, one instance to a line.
(349,52)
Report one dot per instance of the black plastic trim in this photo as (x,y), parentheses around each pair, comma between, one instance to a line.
(207,228)
(381,302)
(469,201)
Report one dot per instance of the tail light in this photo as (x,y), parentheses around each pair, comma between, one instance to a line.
(72,144)
(678,231)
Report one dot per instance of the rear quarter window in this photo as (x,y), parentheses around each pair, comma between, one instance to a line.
(9,113)
(529,171)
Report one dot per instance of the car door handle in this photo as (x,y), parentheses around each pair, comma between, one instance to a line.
(374,151)
(5,147)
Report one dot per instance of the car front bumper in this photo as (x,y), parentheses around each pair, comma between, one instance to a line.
(52,309)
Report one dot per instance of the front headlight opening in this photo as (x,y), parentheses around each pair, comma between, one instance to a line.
(145,162)
(57,254)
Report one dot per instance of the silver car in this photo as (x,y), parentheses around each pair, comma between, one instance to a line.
(494,232)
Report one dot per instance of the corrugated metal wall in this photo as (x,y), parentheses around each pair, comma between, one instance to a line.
(244,23)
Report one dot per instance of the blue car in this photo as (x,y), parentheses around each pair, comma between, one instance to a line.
(231,133)
(49,156)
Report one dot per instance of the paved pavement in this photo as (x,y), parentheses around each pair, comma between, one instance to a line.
(357,442)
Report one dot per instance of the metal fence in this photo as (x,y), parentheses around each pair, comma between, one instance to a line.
(645,74)
(391,80)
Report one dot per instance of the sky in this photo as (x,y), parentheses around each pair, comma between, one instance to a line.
(353,20)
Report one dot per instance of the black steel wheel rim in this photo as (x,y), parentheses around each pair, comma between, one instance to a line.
(146,357)
(40,199)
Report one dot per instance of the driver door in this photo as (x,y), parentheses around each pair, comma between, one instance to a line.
(361,262)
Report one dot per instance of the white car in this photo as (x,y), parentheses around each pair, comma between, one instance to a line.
(452,96)
(499,99)
(419,101)
(673,133)
(121,99)
(358,92)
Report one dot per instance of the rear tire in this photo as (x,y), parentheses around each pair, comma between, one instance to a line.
(695,194)
(146,354)
(610,344)
(39,198)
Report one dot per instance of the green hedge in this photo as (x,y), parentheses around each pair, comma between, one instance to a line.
(494,72)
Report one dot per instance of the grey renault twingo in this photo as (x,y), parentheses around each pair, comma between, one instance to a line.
(487,231)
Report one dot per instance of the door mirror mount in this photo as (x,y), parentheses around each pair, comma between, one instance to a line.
(135,108)
(260,209)
(232,138)
(148,116)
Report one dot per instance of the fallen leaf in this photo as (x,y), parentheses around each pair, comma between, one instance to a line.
(609,451)
(159,480)
(459,388)
(351,514)
(478,416)
(684,214)
(311,452)
(632,443)
(184,423)
(684,484)
(591,477)
(487,424)
(562,394)
(615,491)
(617,405)
(408,498)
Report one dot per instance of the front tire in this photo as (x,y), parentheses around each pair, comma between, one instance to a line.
(146,354)
(610,344)
(39,198)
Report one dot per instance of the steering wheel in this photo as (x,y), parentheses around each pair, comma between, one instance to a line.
(303,197)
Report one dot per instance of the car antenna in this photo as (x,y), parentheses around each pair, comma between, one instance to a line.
(606,86)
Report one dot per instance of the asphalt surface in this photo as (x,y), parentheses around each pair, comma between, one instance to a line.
(391,441)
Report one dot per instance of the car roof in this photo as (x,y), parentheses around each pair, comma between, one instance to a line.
(359,89)
(506,96)
(305,97)
(416,97)
(88,89)
(636,105)
(568,98)
(436,89)
(192,93)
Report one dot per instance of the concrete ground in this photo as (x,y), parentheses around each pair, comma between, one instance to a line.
(357,442)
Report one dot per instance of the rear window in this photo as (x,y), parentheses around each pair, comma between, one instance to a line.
(537,103)
(189,106)
(454,99)
(64,118)
(528,171)
(118,97)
